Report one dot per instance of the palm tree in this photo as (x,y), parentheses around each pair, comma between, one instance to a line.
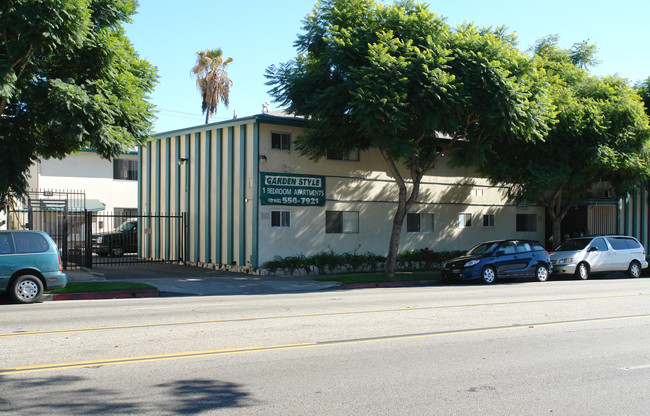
(212,80)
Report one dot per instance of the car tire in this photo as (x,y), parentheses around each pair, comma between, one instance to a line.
(634,270)
(116,251)
(582,271)
(26,289)
(541,273)
(488,275)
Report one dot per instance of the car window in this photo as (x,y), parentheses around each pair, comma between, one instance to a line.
(523,247)
(537,246)
(508,248)
(483,249)
(30,243)
(631,243)
(574,244)
(617,243)
(6,244)
(600,244)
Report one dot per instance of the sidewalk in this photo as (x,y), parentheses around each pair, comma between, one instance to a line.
(178,280)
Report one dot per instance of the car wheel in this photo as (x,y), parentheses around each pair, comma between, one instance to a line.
(488,275)
(582,272)
(634,270)
(117,251)
(541,273)
(27,289)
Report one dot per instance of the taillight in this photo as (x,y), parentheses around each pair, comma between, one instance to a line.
(60,268)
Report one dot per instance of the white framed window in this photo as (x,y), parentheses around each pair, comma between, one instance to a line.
(488,220)
(125,169)
(526,222)
(280,219)
(281,141)
(352,155)
(465,220)
(421,222)
(341,222)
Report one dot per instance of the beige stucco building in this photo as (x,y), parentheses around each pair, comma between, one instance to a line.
(249,197)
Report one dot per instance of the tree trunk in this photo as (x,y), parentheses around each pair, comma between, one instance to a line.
(557,212)
(403,205)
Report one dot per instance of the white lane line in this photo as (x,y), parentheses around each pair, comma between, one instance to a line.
(636,367)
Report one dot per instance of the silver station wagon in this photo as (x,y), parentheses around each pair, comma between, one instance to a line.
(29,265)
(599,254)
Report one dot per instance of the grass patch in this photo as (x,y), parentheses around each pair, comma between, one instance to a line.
(380,278)
(89,287)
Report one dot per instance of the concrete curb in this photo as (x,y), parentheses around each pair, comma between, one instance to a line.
(104,295)
(412,283)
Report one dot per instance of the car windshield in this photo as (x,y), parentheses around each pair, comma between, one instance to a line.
(574,244)
(483,249)
(125,226)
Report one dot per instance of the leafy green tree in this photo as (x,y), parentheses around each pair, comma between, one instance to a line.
(643,88)
(600,132)
(69,79)
(398,79)
(212,80)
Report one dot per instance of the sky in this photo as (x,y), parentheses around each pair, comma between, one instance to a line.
(259,34)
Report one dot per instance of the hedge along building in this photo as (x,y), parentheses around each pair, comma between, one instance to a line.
(249,197)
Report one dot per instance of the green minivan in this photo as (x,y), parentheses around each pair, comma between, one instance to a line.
(29,265)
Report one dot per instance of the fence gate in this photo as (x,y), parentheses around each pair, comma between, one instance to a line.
(134,239)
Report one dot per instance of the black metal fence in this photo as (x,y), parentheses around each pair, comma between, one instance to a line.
(97,239)
(129,239)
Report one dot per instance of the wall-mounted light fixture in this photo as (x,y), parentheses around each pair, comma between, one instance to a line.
(182,160)
(262,157)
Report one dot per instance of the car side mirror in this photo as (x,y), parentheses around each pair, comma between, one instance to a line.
(592,249)
(500,253)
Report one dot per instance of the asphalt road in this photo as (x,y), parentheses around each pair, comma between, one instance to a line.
(525,348)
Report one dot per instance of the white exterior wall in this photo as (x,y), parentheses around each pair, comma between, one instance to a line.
(86,171)
(366,186)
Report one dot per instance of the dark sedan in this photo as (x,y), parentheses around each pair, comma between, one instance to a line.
(504,258)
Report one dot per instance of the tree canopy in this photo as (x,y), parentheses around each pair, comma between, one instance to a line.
(69,80)
(600,132)
(212,80)
(397,78)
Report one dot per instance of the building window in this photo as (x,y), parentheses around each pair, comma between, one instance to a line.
(488,220)
(341,222)
(464,220)
(526,222)
(419,222)
(281,141)
(341,155)
(281,219)
(125,169)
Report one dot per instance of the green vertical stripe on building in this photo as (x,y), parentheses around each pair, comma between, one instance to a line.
(229,195)
(642,216)
(218,227)
(156,243)
(177,190)
(626,215)
(207,211)
(147,237)
(168,195)
(255,232)
(188,209)
(242,195)
(140,200)
(197,195)
(634,212)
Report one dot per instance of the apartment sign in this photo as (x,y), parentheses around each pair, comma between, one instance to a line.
(287,189)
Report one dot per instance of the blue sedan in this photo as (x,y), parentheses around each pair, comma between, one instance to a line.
(504,258)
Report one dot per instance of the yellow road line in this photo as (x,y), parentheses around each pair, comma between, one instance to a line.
(241,350)
(258,318)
